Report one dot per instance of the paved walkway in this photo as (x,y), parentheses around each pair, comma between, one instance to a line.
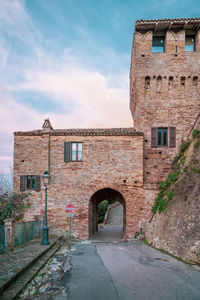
(108,233)
(128,271)
(14,263)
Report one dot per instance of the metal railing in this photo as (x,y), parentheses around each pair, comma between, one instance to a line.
(3,238)
(24,232)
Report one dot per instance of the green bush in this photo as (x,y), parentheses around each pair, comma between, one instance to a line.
(13,206)
(182,160)
(170,195)
(183,147)
(195,133)
(102,208)
(162,206)
(196,144)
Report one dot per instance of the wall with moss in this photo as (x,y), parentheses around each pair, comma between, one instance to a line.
(175,226)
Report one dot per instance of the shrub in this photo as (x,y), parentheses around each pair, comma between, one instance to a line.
(183,147)
(182,160)
(13,206)
(102,208)
(170,195)
(195,133)
(196,144)
(162,206)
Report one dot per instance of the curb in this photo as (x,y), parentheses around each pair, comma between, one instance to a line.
(28,265)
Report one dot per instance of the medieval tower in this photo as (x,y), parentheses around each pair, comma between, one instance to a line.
(164,89)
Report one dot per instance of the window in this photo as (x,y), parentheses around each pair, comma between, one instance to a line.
(190,43)
(159,137)
(73,151)
(162,137)
(147,82)
(30,182)
(158,44)
(76,151)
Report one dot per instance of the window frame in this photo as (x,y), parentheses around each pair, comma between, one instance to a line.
(31,182)
(162,136)
(76,152)
(158,47)
(194,45)
(170,138)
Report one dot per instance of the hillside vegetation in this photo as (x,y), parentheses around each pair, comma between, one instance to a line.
(176,225)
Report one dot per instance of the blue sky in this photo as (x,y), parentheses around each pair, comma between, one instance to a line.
(69,60)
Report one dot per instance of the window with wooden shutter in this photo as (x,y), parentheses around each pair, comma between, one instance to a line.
(37,183)
(172,137)
(154,135)
(67,151)
(22,183)
(73,151)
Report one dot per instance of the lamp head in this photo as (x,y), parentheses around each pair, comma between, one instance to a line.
(46,178)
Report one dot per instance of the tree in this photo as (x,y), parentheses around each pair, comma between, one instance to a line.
(6,182)
(13,206)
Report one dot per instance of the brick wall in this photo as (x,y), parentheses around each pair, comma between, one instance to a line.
(114,162)
(165,101)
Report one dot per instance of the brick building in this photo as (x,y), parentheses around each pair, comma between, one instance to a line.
(122,164)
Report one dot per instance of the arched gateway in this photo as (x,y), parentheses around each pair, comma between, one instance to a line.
(96,199)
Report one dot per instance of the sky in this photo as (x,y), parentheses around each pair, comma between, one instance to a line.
(69,60)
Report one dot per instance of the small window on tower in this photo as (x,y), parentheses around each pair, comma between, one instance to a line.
(147,82)
(158,44)
(190,43)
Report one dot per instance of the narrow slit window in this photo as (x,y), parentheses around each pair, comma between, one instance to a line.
(182,81)
(170,81)
(195,80)
(147,82)
(190,43)
(158,44)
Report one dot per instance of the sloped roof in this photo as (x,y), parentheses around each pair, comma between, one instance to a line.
(165,24)
(85,132)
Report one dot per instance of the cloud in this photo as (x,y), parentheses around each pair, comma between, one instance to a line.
(84,96)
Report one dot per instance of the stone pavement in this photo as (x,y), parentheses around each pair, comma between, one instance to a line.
(15,263)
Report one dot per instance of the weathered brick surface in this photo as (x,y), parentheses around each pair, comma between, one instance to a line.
(108,161)
(119,159)
(165,102)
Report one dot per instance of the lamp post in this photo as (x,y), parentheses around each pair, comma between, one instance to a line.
(45,228)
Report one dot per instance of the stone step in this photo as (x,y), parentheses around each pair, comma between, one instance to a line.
(13,290)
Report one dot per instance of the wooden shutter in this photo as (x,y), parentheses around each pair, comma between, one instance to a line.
(67,151)
(154,137)
(22,183)
(37,183)
(172,137)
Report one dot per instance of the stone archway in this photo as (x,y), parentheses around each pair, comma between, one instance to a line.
(98,197)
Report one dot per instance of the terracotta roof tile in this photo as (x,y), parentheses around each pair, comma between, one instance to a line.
(84,132)
(168,20)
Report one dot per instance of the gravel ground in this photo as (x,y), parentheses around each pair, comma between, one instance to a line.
(47,283)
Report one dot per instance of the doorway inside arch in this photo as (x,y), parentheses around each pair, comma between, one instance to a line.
(113,225)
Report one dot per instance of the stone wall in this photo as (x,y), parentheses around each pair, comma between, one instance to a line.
(178,229)
(114,161)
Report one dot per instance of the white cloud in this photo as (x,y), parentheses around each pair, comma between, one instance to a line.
(87,98)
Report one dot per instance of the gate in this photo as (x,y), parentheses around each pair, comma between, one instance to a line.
(3,238)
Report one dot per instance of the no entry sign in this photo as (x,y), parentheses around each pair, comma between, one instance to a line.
(70,210)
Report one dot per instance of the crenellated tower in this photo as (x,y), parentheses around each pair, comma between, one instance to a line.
(164,88)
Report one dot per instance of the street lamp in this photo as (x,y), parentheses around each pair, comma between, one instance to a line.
(45,228)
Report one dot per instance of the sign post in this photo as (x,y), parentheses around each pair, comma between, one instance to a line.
(70,212)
